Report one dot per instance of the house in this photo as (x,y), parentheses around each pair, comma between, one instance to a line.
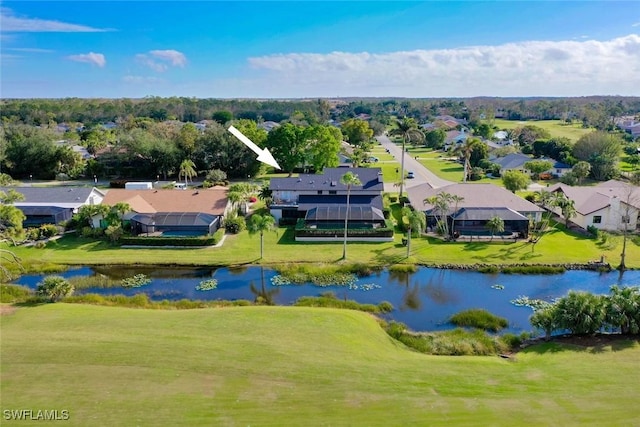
(516,161)
(611,205)
(320,202)
(268,125)
(172,211)
(455,137)
(53,205)
(513,161)
(479,203)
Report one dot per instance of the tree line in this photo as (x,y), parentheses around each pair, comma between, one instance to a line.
(592,111)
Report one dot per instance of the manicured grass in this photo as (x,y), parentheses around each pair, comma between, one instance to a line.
(289,366)
(556,246)
(557,128)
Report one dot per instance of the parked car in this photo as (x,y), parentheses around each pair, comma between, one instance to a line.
(410,175)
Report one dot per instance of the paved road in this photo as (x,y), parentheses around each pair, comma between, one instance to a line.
(421,173)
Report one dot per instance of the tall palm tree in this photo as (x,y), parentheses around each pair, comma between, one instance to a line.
(259,224)
(406,128)
(441,204)
(466,150)
(495,225)
(188,170)
(415,221)
(349,179)
(455,199)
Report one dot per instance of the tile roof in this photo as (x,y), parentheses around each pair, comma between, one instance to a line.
(591,199)
(474,196)
(212,200)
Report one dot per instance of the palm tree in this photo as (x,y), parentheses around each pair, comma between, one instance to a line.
(455,199)
(188,170)
(415,221)
(441,204)
(235,197)
(495,225)
(406,128)
(466,150)
(259,224)
(349,179)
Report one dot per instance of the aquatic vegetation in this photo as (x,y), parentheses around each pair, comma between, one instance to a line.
(207,285)
(136,281)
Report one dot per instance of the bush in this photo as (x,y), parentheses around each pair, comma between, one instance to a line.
(47,231)
(235,225)
(457,342)
(336,303)
(479,319)
(533,269)
(10,293)
(54,288)
(593,230)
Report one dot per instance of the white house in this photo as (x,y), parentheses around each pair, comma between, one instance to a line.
(610,206)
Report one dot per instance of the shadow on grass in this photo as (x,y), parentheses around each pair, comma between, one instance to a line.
(593,344)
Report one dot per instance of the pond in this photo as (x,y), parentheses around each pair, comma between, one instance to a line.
(423,300)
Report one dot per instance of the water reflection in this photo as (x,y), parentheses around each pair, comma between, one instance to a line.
(263,295)
(424,300)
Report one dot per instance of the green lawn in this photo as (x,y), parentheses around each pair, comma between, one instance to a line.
(557,128)
(285,366)
(280,247)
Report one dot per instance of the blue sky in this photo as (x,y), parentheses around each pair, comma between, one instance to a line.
(266,49)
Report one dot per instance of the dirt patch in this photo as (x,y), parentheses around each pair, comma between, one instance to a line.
(6,310)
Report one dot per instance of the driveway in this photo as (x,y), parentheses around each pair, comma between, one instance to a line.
(421,173)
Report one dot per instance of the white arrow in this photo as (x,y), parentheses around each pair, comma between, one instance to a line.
(264,156)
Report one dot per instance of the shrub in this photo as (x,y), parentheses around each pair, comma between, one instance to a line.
(453,343)
(393,199)
(47,231)
(593,230)
(490,269)
(403,268)
(235,225)
(533,269)
(335,303)
(54,288)
(385,307)
(10,293)
(479,319)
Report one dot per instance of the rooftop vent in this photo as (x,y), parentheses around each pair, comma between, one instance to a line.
(334,183)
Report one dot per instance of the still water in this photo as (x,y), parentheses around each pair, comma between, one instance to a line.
(423,300)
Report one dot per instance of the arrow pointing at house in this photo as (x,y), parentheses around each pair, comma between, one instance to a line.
(264,156)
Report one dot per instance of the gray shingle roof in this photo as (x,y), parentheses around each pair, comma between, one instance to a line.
(371,179)
(512,161)
(52,194)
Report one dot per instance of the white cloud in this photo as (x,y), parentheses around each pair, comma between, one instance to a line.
(29,50)
(91,57)
(159,60)
(11,23)
(636,24)
(560,68)
(141,79)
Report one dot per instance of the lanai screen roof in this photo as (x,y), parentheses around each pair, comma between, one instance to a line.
(176,219)
(338,213)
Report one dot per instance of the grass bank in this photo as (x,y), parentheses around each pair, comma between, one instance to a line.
(292,366)
(556,247)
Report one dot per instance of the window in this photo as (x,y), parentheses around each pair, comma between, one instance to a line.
(319,191)
(626,219)
(333,192)
(597,219)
